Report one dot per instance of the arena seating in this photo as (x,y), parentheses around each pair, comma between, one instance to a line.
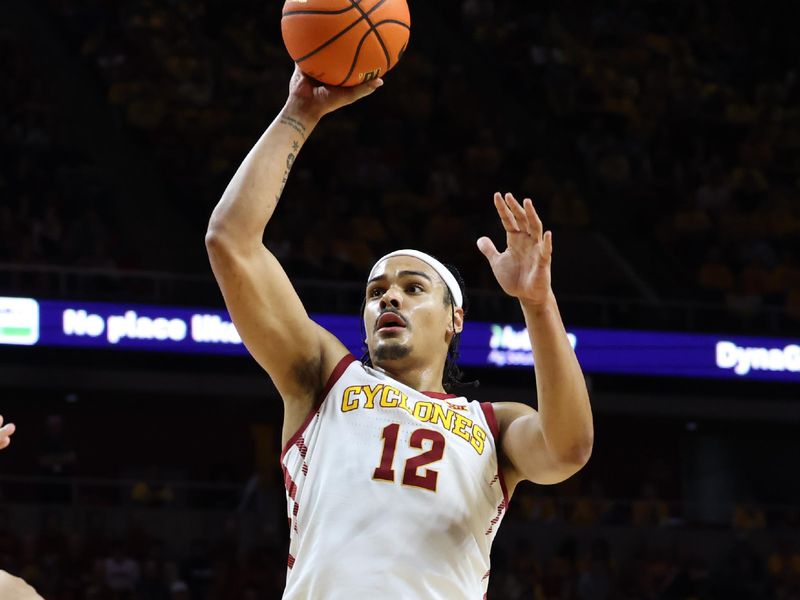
(651,128)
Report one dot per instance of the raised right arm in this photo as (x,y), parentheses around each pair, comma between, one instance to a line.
(296,353)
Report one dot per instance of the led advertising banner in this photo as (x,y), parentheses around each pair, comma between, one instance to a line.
(28,322)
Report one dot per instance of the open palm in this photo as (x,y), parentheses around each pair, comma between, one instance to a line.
(523,269)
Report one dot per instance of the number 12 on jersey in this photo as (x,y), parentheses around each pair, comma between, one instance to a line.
(411,475)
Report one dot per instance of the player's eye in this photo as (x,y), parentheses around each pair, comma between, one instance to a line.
(375,292)
(415,288)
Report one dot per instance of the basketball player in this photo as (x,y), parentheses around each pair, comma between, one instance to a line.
(395,488)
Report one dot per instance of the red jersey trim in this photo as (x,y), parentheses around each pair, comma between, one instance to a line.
(439,395)
(338,371)
(488,411)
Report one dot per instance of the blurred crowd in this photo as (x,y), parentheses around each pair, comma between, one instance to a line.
(52,195)
(649,571)
(86,562)
(672,128)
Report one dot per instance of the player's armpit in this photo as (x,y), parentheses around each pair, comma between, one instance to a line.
(297,353)
(524,451)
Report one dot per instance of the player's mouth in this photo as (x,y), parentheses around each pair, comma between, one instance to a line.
(390,322)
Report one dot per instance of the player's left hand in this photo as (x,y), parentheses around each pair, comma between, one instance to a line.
(523,269)
(5,433)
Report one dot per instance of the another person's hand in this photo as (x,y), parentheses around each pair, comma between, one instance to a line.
(14,588)
(316,100)
(5,437)
(523,269)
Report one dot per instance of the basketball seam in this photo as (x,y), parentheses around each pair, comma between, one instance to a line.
(330,41)
(355,58)
(291,13)
(341,33)
(375,32)
(394,21)
(339,11)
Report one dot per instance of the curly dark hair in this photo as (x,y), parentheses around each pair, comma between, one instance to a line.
(452,375)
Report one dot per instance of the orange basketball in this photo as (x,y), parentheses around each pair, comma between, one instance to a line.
(345,42)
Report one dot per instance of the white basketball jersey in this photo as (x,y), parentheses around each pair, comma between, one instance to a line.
(392,493)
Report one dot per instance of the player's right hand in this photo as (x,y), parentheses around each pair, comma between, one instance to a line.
(315,100)
(5,436)
(14,588)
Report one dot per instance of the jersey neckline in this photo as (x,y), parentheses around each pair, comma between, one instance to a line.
(429,394)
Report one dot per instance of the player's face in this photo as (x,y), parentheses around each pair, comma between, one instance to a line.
(405,314)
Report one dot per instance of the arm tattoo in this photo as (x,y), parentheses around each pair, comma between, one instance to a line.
(289,162)
(294,124)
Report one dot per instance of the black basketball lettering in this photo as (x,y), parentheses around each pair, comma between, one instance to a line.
(369,75)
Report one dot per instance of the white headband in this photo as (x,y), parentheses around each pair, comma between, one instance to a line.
(444,272)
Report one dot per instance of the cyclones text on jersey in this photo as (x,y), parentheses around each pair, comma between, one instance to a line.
(385,396)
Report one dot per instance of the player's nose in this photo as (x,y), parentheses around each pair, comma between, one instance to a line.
(391,297)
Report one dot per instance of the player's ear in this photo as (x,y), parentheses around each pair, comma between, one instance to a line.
(458,320)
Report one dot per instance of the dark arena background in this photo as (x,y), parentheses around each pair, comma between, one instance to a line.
(660,141)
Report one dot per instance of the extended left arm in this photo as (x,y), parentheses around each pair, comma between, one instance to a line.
(552,444)
(565,416)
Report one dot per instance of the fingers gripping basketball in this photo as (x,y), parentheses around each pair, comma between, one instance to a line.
(346,42)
